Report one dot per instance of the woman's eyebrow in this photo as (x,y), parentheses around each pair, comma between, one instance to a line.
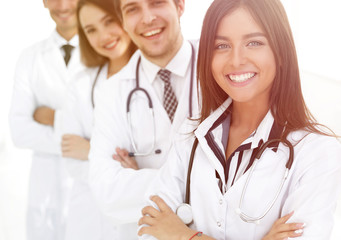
(246,36)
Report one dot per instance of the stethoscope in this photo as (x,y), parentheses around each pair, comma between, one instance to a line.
(151,109)
(184,210)
(93,86)
(150,105)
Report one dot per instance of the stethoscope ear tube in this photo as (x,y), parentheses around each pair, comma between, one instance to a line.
(93,86)
(184,210)
(286,143)
(190,165)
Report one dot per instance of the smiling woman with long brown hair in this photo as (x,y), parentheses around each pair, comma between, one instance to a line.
(257,155)
(105,49)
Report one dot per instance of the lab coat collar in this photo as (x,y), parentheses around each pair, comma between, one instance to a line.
(210,135)
(266,129)
(128,72)
(178,65)
(60,41)
(55,40)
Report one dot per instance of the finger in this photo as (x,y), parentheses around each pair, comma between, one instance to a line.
(290,227)
(65,142)
(151,211)
(122,152)
(66,154)
(66,136)
(131,161)
(117,157)
(147,220)
(160,203)
(145,230)
(285,218)
(125,165)
(123,156)
(290,234)
(66,147)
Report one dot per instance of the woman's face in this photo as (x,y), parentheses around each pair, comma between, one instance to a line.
(104,34)
(243,63)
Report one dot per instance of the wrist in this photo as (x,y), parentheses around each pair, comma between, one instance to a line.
(197,234)
(189,234)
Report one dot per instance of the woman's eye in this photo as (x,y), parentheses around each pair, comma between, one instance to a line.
(254,44)
(222,46)
(89,31)
(109,21)
(130,10)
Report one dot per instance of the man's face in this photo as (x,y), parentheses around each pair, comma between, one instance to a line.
(63,13)
(154,26)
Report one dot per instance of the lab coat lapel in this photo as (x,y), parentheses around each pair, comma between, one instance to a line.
(202,131)
(52,56)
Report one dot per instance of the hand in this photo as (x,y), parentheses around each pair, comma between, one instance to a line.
(122,156)
(163,224)
(74,146)
(44,115)
(281,230)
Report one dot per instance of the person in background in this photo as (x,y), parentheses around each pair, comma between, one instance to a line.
(164,70)
(256,153)
(105,49)
(42,76)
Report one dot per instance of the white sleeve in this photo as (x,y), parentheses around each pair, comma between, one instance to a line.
(170,183)
(316,189)
(26,132)
(72,124)
(119,191)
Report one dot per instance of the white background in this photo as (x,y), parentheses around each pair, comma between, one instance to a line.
(317,31)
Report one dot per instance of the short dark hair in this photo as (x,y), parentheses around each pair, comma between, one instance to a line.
(117,6)
(89,56)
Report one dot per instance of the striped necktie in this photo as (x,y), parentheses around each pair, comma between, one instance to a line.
(169,99)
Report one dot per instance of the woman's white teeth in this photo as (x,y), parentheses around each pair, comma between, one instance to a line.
(110,45)
(151,33)
(241,77)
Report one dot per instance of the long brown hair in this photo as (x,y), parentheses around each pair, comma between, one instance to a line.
(89,56)
(286,99)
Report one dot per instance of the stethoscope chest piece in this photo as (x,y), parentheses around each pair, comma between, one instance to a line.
(184,212)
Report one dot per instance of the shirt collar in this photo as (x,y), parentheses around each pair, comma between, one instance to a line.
(60,41)
(178,65)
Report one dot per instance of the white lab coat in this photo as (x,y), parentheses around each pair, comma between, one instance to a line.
(41,79)
(311,190)
(120,191)
(85,220)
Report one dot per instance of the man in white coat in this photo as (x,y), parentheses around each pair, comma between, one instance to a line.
(42,75)
(165,68)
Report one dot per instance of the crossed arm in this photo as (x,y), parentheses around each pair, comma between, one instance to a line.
(73,146)
(164,224)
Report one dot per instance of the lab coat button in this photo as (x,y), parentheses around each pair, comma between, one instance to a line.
(219,224)
(221,201)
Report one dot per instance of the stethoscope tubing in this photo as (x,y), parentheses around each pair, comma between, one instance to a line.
(265,145)
(150,104)
(93,86)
